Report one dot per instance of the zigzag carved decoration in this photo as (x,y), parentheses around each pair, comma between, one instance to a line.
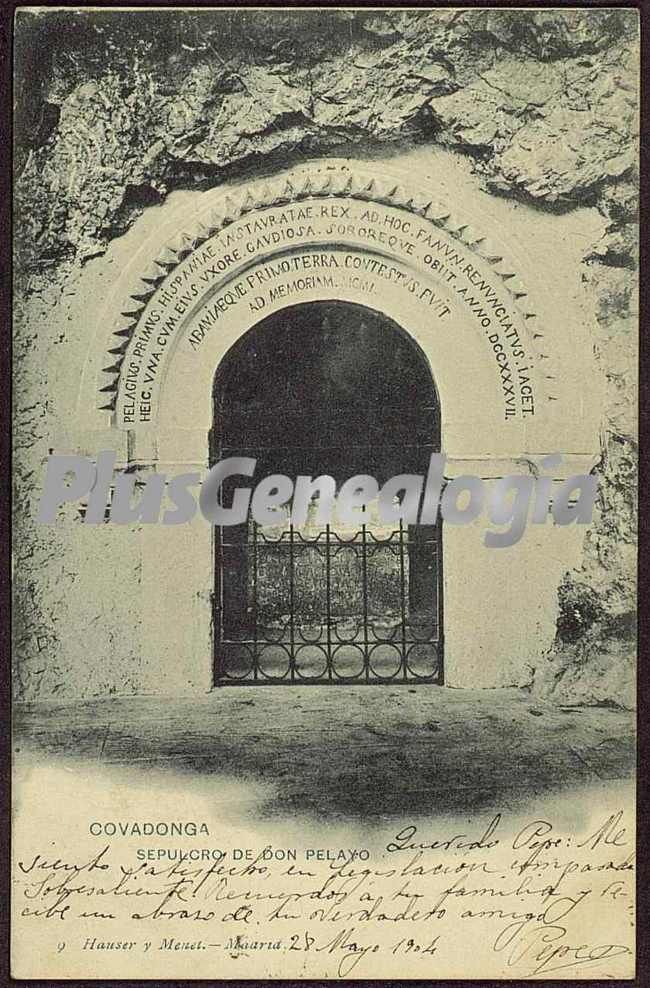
(283,192)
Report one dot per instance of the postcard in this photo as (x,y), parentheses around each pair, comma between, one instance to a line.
(325,452)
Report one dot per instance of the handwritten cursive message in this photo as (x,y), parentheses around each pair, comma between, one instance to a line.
(522,902)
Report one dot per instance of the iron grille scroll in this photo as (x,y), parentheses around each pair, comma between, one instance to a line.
(364,645)
(326,388)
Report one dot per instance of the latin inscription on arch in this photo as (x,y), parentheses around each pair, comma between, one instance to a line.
(274,255)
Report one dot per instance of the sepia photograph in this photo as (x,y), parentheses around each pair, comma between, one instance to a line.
(325,436)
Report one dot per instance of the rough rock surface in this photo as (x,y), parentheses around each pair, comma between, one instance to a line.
(112,115)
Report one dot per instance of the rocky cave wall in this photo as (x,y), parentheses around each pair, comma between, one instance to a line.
(113,113)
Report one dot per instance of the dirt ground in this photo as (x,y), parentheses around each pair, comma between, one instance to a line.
(344,752)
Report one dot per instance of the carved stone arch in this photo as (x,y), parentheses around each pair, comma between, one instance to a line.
(515,376)
(450,283)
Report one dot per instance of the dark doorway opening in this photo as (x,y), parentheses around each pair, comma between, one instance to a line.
(327,388)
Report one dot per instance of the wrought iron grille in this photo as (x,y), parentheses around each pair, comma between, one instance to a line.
(327,388)
(324,606)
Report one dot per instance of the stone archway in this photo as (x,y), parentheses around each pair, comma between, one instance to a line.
(336,390)
(324,230)
(506,363)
